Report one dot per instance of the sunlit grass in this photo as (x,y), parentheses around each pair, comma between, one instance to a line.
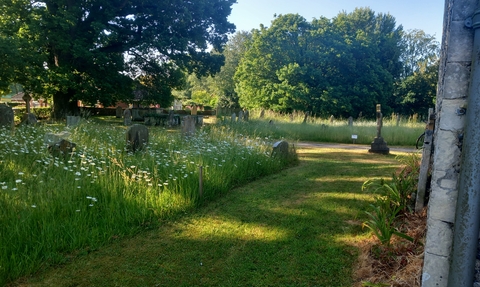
(401,133)
(54,206)
(298,227)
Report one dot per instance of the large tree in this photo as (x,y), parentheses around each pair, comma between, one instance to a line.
(341,66)
(103,50)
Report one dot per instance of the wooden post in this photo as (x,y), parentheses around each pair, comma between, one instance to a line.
(200,181)
(425,164)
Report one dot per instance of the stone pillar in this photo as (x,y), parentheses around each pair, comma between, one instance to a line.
(452,92)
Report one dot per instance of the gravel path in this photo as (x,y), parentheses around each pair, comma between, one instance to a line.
(348,146)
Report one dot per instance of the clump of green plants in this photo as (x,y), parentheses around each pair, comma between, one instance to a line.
(392,199)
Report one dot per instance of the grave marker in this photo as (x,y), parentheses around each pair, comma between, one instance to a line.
(136,137)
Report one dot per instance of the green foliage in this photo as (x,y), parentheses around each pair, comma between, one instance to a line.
(342,66)
(106,50)
(392,199)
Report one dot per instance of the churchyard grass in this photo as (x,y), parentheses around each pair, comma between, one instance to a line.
(324,130)
(298,227)
(52,208)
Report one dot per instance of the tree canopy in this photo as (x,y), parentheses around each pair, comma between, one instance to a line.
(342,67)
(104,50)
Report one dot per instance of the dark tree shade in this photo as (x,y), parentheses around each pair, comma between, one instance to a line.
(104,50)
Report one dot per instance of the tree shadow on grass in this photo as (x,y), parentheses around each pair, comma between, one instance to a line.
(286,229)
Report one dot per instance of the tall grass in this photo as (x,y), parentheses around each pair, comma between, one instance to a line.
(51,206)
(291,126)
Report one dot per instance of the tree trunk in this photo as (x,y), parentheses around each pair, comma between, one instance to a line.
(63,105)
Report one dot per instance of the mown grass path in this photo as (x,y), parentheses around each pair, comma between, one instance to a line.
(295,228)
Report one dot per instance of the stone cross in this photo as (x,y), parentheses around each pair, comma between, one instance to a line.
(379,120)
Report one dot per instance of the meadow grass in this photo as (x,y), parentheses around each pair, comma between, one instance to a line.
(298,227)
(291,126)
(57,206)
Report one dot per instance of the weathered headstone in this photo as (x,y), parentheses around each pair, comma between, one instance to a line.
(246,116)
(6,116)
(188,125)
(262,114)
(29,119)
(200,120)
(51,138)
(280,149)
(118,112)
(127,117)
(234,117)
(240,116)
(62,148)
(136,115)
(379,145)
(136,137)
(73,120)
(350,121)
(171,118)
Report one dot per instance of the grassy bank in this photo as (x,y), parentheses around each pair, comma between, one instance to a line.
(299,227)
(57,206)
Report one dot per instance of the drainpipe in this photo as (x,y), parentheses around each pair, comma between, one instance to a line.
(467,216)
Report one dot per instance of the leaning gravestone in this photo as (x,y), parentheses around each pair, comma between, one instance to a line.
(127,117)
(118,112)
(188,125)
(280,149)
(6,116)
(136,137)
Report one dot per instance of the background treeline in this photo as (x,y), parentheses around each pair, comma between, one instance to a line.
(341,66)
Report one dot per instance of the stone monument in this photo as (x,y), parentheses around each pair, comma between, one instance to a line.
(6,116)
(379,145)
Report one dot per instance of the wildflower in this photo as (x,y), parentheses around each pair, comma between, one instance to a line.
(78,173)
(14,188)
(4,187)
(20,173)
(34,206)
(18,180)
(78,210)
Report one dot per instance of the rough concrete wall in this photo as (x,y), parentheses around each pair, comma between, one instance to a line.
(454,78)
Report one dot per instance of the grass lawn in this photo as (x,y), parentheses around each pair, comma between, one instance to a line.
(295,228)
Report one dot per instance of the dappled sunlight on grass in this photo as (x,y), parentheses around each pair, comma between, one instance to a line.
(225,228)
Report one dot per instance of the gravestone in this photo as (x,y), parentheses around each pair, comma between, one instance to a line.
(246,116)
(379,145)
(188,125)
(118,112)
(200,120)
(240,116)
(62,148)
(136,137)
(29,119)
(171,118)
(127,117)
(350,121)
(51,138)
(234,117)
(280,149)
(136,115)
(73,120)
(262,114)
(6,116)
